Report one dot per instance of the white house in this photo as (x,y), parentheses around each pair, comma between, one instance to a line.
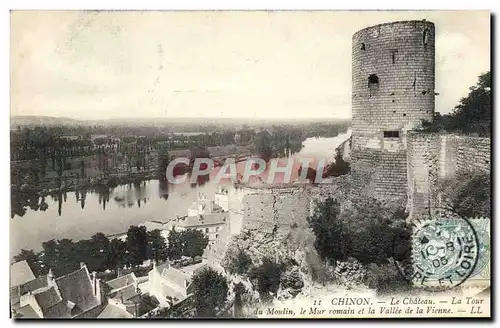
(169,285)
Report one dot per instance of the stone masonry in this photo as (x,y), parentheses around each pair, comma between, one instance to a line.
(393,79)
(432,157)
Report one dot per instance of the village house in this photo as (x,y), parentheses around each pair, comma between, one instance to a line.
(210,224)
(75,295)
(123,297)
(203,206)
(171,285)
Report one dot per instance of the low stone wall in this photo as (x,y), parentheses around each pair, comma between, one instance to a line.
(274,209)
(432,157)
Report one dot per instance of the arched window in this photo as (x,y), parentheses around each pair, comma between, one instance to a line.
(363,47)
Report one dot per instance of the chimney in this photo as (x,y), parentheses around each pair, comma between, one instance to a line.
(82,265)
(50,278)
(94,283)
(98,290)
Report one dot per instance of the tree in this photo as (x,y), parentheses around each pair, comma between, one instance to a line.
(337,168)
(471,115)
(157,248)
(68,261)
(263,145)
(194,242)
(268,276)
(365,230)
(210,290)
(137,245)
(468,194)
(94,251)
(325,226)
(116,254)
(174,248)
(238,262)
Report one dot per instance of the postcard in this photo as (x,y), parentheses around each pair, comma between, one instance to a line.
(250,164)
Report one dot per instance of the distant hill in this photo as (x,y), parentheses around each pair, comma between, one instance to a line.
(22,121)
(27,121)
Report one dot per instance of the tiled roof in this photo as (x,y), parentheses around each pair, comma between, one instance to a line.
(152,225)
(176,276)
(60,310)
(30,286)
(20,273)
(114,312)
(125,293)
(34,284)
(203,220)
(122,281)
(47,298)
(27,312)
(192,269)
(15,296)
(77,288)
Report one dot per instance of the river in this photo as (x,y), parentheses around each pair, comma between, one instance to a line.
(78,216)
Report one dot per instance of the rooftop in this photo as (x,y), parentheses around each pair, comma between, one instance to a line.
(203,220)
(114,312)
(122,281)
(77,288)
(27,312)
(20,273)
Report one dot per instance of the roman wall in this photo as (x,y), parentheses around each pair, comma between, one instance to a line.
(433,157)
(275,208)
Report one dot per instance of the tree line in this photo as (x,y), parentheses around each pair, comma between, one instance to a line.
(100,253)
(471,115)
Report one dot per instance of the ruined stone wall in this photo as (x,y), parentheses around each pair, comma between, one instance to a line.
(271,209)
(400,58)
(432,157)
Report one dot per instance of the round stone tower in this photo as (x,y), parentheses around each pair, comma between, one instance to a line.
(393,78)
(392,82)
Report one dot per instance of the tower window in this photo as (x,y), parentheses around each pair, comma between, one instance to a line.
(426,37)
(391,134)
(393,55)
(363,47)
(372,79)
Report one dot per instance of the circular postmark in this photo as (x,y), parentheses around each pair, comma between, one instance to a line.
(439,253)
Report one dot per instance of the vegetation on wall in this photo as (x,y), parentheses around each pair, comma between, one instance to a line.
(471,115)
(468,194)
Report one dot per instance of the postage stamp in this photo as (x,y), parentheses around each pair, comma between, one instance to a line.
(445,252)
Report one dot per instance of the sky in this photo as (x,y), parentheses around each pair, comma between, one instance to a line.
(289,64)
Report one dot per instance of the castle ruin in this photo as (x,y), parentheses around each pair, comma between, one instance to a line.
(393,74)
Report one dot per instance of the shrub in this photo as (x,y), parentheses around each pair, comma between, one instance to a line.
(350,273)
(467,194)
(386,279)
(239,263)
(210,292)
(337,168)
(268,278)
(365,230)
